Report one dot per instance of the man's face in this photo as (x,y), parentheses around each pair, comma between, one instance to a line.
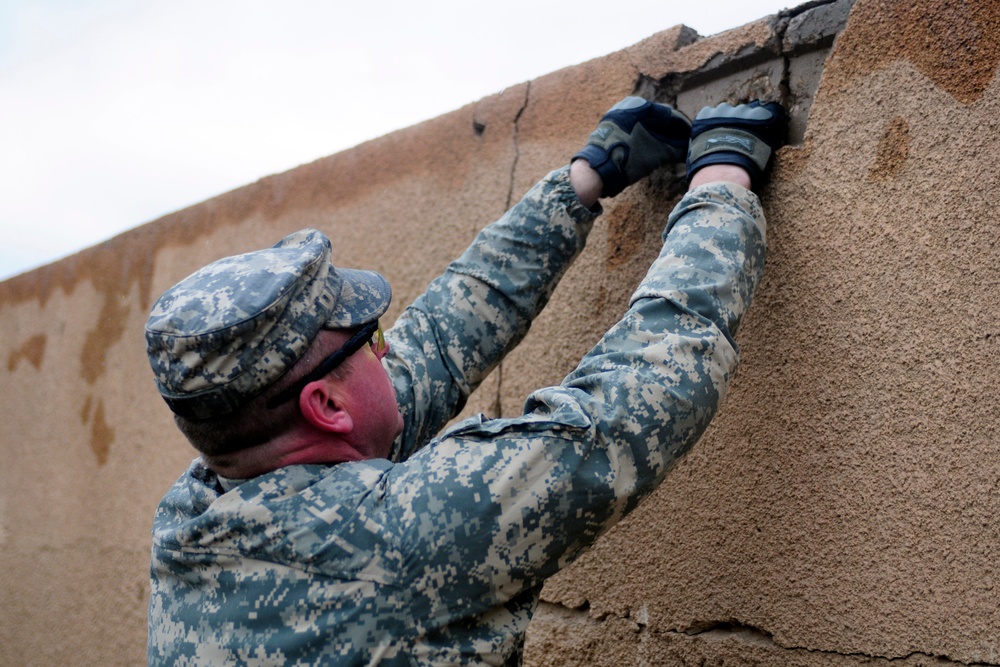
(370,399)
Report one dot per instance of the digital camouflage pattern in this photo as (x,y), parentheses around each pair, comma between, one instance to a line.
(231,329)
(437,557)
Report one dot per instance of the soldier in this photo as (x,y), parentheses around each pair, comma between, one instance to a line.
(327,521)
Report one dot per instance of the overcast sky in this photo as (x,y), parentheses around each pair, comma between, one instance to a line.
(115,112)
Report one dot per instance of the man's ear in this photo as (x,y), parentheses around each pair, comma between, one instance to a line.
(321,406)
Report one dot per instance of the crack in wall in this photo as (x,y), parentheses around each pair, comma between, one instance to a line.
(784,85)
(517,149)
(497,408)
(744,633)
(751,634)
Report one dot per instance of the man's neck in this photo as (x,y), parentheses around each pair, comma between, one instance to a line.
(292,449)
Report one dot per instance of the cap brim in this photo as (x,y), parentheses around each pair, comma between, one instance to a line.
(364,297)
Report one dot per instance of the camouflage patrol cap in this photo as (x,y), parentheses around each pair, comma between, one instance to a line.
(231,329)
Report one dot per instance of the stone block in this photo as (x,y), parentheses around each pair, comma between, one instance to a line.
(804,72)
(762,81)
(816,27)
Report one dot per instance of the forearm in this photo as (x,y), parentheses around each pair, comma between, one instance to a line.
(657,378)
(586,182)
(483,304)
(713,254)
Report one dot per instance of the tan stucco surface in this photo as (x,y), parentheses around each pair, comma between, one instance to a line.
(842,510)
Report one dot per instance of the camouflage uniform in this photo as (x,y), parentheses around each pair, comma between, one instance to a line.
(437,557)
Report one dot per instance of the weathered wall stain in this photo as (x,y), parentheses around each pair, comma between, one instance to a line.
(893,150)
(955,44)
(109,329)
(32,349)
(101,434)
(111,267)
(85,410)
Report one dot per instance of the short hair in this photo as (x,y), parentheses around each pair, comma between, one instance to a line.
(255,424)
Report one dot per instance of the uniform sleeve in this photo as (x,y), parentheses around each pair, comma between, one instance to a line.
(447,342)
(494,507)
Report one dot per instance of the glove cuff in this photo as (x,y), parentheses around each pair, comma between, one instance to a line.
(744,135)
(614,181)
(727,145)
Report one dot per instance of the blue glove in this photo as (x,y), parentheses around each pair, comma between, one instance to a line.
(634,138)
(746,135)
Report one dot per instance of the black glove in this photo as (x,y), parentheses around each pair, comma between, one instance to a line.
(634,138)
(746,135)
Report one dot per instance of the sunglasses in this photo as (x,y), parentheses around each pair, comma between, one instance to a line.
(370,334)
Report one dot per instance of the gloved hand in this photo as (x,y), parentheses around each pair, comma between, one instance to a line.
(634,138)
(746,135)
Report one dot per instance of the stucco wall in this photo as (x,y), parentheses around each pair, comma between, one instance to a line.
(843,508)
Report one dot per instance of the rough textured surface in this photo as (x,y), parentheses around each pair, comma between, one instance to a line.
(842,509)
(845,501)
